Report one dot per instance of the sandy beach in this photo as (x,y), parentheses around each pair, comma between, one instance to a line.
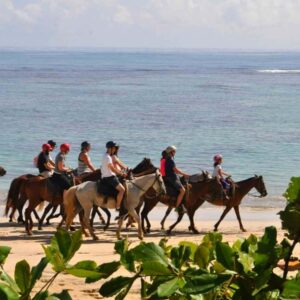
(29,248)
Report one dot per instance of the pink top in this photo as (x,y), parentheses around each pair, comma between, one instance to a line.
(163,167)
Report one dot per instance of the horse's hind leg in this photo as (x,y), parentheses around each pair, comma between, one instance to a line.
(28,219)
(136,217)
(192,224)
(108,214)
(237,212)
(52,215)
(47,209)
(180,216)
(36,215)
(162,223)
(226,210)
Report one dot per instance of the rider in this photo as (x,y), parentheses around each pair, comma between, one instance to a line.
(163,163)
(118,164)
(172,174)
(43,162)
(219,174)
(109,171)
(84,162)
(53,146)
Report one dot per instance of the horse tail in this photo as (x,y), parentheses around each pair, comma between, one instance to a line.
(41,206)
(13,194)
(70,200)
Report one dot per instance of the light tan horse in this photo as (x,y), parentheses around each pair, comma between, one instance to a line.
(85,195)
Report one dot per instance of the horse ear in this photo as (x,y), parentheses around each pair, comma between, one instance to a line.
(255,175)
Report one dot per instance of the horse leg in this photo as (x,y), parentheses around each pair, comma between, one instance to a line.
(237,212)
(36,215)
(52,214)
(149,204)
(81,216)
(192,224)
(168,211)
(120,222)
(12,214)
(86,221)
(226,210)
(180,216)
(100,215)
(47,209)
(136,217)
(108,214)
(28,219)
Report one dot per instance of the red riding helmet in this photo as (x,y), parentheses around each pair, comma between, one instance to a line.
(65,147)
(218,157)
(46,147)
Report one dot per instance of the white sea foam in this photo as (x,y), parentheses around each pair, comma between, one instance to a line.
(279,71)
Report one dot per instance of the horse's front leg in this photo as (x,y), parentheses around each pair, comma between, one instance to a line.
(168,211)
(120,223)
(226,210)
(47,209)
(237,212)
(136,217)
(192,224)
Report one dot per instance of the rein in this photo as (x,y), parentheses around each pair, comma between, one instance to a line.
(256,196)
(156,177)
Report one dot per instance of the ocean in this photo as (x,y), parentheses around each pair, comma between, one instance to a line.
(244,105)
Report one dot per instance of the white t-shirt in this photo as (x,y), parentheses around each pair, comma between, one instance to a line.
(105,170)
(216,172)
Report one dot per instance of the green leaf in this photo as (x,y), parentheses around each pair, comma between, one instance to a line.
(23,276)
(168,288)
(7,293)
(54,257)
(114,286)
(122,246)
(76,240)
(64,241)
(9,281)
(246,261)
(64,295)
(108,268)
(154,268)
(291,289)
(127,260)
(41,296)
(202,256)
(268,240)
(224,255)
(37,271)
(204,283)
(192,246)
(292,193)
(4,252)
(290,221)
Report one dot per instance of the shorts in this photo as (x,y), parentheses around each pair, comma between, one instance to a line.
(225,184)
(112,181)
(175,183)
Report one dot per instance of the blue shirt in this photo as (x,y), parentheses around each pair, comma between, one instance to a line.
(170,165)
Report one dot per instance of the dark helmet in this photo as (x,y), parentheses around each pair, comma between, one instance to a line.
(85,144)
(111,144)
(52,143)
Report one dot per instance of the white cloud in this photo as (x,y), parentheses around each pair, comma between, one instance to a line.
(150,23)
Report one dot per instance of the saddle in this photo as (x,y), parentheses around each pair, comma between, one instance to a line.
(107,190)
(56,185)
(199,177)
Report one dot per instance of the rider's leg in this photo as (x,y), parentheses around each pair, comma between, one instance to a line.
(180,196)
(121,190)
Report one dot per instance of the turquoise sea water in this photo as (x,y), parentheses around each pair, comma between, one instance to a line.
(243,105)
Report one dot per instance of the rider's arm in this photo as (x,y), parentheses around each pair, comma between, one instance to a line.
(61,167)
(87,160)
(178,171)
(120,163)
(113,169)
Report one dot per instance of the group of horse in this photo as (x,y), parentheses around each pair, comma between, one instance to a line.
(143,192)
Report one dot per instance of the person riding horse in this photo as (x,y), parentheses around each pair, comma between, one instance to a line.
(109,173)
(219,174)
(172,177)
(85,165)
(43,162)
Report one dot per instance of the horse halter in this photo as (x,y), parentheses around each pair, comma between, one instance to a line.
(145,191)
(263,191)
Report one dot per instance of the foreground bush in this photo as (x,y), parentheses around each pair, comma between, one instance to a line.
(211,269)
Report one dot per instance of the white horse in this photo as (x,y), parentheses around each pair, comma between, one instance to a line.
(85,195)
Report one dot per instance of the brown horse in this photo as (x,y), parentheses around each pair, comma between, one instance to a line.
(2,171)
(205,191)
(12,201)
(37,191)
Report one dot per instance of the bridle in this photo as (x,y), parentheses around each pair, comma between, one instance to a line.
(145,191)
(262,194)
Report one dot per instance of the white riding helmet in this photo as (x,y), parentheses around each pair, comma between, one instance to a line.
(170,149)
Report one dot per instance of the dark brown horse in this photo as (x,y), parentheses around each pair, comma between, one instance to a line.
(37,191)
(205,191)
(2,171)
(13,201)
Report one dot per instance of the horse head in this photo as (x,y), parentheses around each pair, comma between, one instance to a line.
(2,171)
(159,185)
(144,165)
(260,186)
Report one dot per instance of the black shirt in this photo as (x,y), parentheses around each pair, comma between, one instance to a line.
(170,164)
(43,158)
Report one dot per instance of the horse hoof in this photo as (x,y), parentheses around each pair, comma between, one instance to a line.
(95,238)
(141,238)
(40,228)
(169,232)
(103,222)
(243,229)
(29,232)
(48,223)
(215,229)
(162,228)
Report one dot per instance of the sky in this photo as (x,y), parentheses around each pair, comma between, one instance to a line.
(161,24)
